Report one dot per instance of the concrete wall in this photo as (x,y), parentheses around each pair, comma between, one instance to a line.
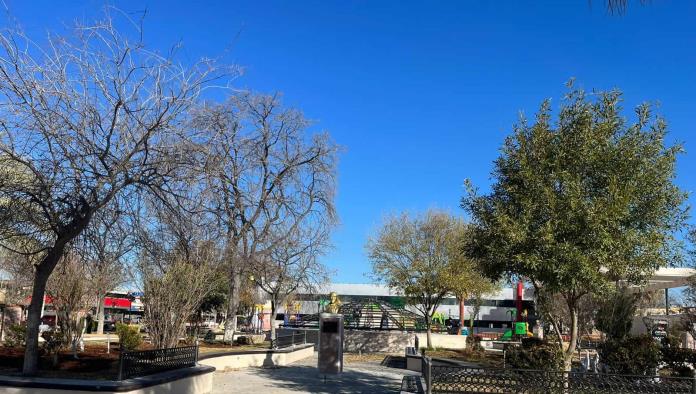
(197,384)
(361,341)
(443,341)
(384,341)
(268,358)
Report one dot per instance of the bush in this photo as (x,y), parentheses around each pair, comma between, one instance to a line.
(638,355)
(535,353)
(615,314)
(128,336)
(680,361)
(53,342)
(15,335)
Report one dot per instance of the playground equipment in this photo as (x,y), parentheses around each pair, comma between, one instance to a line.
(371,314)
(520,327)
(519,330)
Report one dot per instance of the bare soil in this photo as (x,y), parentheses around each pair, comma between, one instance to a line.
(350,358)
(483,358)
(93,363)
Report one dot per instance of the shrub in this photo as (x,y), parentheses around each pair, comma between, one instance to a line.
(638,355)
(680,361)
(128,336)
(53,342)
(15,335)
(473,343)
(615,314)
(535,353)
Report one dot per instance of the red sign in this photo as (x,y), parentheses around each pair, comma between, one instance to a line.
(114,302)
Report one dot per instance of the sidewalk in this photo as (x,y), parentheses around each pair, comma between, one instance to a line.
(368,377)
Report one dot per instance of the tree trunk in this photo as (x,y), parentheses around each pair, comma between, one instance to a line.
(41,275)
(568,355)
(100,314)
(474,313)
(274,312)
(428,325)
(232,306)
(461,317)
(2,324)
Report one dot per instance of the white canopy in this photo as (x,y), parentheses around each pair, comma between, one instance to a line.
(668,278)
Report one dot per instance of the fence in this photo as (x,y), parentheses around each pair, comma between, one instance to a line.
(296,338)
(454,379)
(147,362)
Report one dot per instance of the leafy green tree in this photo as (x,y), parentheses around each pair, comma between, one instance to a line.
(466,279)
(580,202)
(418,256)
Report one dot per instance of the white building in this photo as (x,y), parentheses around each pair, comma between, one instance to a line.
(494,312)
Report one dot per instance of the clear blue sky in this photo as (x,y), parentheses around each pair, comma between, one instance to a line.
(421,94)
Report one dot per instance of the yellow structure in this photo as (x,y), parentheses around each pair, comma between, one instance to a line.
(335,303)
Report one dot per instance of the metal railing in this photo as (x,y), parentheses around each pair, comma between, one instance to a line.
(147,362)
(454,379)
(426,370)
(283,341)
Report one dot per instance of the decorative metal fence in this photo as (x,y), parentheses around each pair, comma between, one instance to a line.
(454,379)
(296,338)
(147,362)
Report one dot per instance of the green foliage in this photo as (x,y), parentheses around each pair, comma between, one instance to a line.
(215,300)
(53,342)
(15,335)
(397,302)
(128,336)
(418,256)
(615,314)
(680,361)
(535,353)
(637,355)
(582,201)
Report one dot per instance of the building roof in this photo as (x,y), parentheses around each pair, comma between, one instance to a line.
(668,278)
(380,290)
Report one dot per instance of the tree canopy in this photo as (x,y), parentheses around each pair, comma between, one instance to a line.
(420,256)
(581,201)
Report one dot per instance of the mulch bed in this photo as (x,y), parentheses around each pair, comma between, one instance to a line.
(484,359)
(93,363)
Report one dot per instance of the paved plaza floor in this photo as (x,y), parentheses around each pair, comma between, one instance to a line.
(303,377)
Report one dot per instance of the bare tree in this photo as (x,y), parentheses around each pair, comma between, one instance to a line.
(88,117)
(264,173)
(291,265)
(179,266)
(70,290)
(106,242)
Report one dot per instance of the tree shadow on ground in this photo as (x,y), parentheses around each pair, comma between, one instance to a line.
(304,378)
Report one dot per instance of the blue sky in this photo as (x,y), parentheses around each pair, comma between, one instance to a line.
(421,94)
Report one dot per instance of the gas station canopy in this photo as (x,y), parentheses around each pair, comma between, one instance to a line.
(669,278)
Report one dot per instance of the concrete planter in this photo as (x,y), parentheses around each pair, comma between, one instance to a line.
(192,380)
(362,341)
(256,358)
